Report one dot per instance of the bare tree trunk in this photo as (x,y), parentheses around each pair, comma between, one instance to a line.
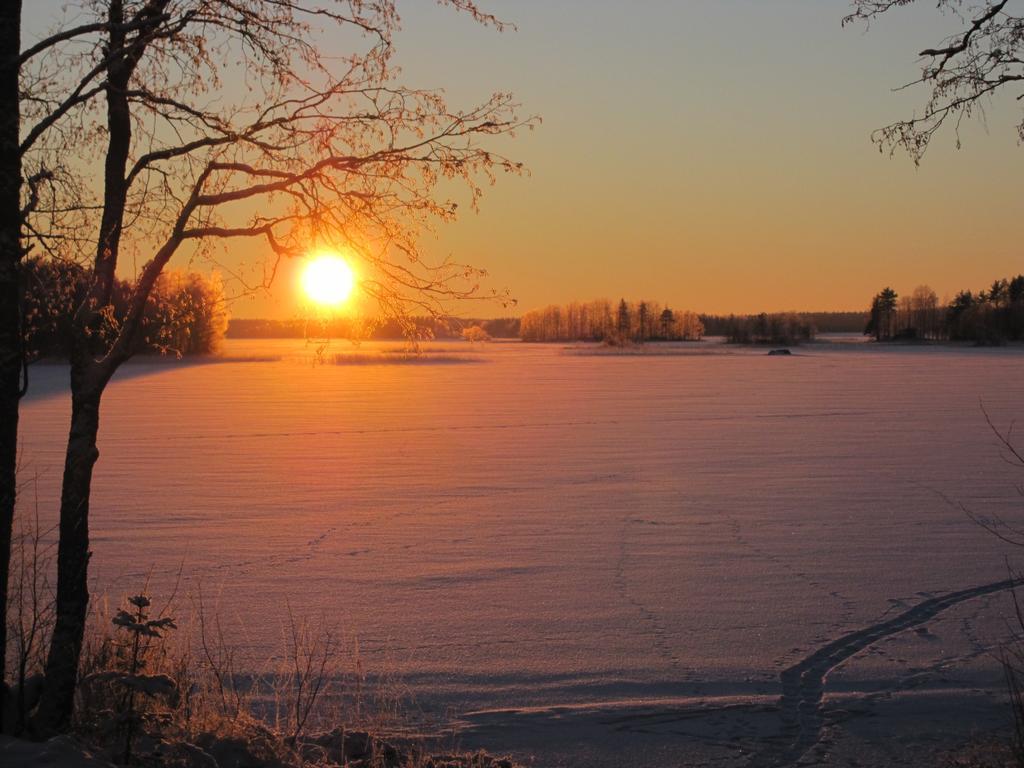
(88,380)
(10,313)
(72,604)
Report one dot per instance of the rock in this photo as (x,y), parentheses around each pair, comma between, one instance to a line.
(779,352)
(58,752)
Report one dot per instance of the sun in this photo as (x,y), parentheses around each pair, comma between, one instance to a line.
(328,279)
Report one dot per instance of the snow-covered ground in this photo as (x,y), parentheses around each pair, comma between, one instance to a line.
(598,558)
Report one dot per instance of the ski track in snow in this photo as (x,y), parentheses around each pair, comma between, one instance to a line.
(650,543)
(803,684)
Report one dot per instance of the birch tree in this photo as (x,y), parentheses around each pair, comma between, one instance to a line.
(10,317)
(293,148)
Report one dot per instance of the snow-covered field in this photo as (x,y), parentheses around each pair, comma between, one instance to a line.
(600,559)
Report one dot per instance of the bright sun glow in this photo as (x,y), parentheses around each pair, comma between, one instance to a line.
(328,279)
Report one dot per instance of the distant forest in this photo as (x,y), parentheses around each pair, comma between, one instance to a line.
(599,320)
(786,328)
(991,316)
(389,330)
(822,322)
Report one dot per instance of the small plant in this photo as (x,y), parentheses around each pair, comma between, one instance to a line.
(308,674)
(30,619)
(129,678)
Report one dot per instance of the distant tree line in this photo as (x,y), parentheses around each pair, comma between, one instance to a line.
(822,322)
(501,327)
(599,320)
(368,329)
(784,328)
(186,313)
(990,316)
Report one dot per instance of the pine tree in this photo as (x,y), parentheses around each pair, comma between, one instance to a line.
(624,320)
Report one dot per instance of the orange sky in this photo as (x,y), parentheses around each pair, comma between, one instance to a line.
(714,156)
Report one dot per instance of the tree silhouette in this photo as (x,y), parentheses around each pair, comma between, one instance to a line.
(990,316)
(924,313)
(1015,290)
(643,320)
(592,321)
(10,316)
(883,315)
(999,292)
(666,321)
(959,313)
(319,150)
(984,56)
(624,320)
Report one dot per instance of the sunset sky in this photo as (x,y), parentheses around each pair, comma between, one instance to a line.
(713,155)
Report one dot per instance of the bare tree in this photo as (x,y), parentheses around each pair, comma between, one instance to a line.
(293,149)
(592,321)
(924,310)
(10,316)
(984,56)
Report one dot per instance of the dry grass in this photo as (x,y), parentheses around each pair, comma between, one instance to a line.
(312,704)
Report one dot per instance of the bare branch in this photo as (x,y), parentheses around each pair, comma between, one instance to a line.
(962,72)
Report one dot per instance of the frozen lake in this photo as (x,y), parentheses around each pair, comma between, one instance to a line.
(597,559)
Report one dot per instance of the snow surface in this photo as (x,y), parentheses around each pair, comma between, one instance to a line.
(598,558)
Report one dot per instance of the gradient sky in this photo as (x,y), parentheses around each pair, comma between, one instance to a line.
(714,155)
